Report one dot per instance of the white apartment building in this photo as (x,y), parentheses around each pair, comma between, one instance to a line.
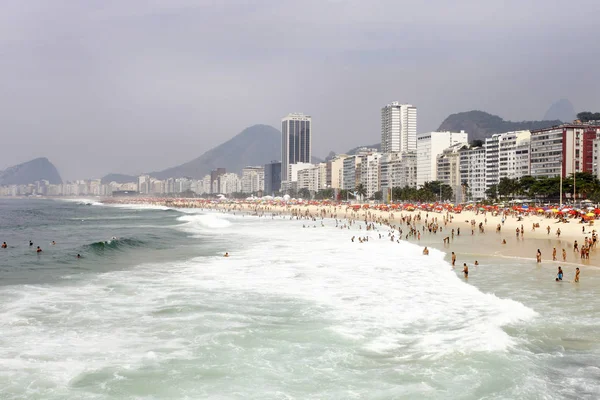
(206,184)
(229,183)
(596,165)
(398,128)
(429,146)
(566,148)
(313,178)
(370,173)
(253,179)
(296,141)
(337,171)
(398,170)
(472,173)
(349,172)
(492,158)
(144,184)
(448,167)
(513,154)
(295,168)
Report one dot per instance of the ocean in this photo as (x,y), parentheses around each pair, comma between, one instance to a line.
(153,310)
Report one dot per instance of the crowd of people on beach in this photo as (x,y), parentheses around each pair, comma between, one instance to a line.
(398,226)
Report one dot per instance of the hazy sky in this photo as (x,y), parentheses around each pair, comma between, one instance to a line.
(128,86)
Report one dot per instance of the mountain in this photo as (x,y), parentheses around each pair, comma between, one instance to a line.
(119,178)
(353,151)
(481,125)
(29,172)
(256,145)
(562,110)
(371,146)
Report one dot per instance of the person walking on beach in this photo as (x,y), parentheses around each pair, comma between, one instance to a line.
(575,247)
(564,253)
(554,254)
(576,275)
(548,229)
(538,256)
(558,232)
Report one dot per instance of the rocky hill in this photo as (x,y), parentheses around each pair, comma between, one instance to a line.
(561,110)
(30,172)
(481,125)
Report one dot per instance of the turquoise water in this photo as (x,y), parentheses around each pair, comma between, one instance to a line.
(293,313)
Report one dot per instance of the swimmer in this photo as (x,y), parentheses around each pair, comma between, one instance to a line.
(476,262)
(576,274)
(4,245)
(53,243)
(226,255)
(30,243)
(39,250)
(425,251)
(466,270)
(504,241)
(78,255)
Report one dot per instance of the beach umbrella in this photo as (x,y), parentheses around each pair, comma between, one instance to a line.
(597,211)
(554,210)
(591,214)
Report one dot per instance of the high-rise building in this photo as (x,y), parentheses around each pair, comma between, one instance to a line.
(398,128)
(429,146)
(296,141)
(272,178)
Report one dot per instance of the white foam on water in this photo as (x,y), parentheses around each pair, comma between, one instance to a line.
(139,206)
(202,223)
(293,313)
(83,201)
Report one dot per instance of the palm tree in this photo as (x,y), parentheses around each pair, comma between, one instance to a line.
(361,190)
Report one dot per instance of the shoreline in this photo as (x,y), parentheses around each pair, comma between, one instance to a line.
(524,247)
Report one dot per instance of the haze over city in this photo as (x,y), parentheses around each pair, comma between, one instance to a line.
(138,86)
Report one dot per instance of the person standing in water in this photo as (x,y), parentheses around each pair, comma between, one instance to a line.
(576,274)
(559,276)
(4,245)
(538,256)
(453,259)
(466,270)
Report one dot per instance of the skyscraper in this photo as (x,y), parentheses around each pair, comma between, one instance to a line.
(398,128)
(296,141)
